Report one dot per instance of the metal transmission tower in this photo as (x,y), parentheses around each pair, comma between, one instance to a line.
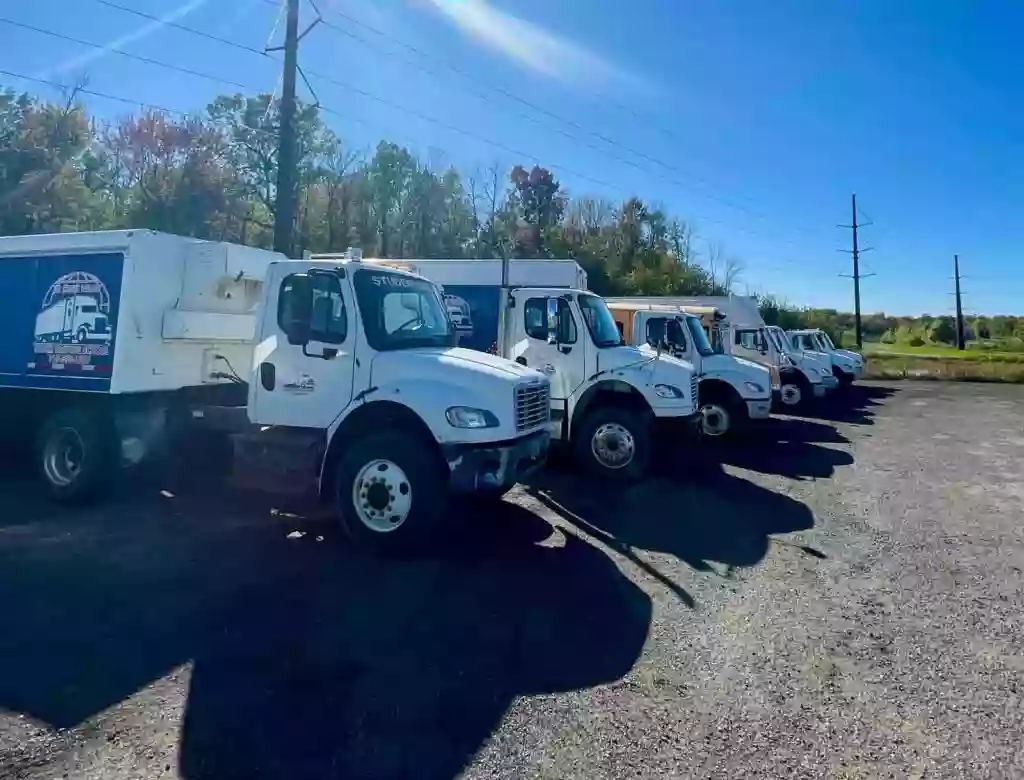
(857,251)
(960,341)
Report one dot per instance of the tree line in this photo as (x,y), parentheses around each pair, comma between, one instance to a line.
(213,175)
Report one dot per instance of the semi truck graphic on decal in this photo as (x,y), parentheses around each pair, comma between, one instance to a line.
(459,313)
(73,325)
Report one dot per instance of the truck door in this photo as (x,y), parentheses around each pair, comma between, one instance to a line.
(752,344)
(304,385)
(548,336)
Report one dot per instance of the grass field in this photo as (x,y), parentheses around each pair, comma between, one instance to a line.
(885,351)
(935,361)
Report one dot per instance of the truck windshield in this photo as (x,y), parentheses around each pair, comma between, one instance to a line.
(779,341)
(600,321)
(401,312)
(826,341)
(700,338)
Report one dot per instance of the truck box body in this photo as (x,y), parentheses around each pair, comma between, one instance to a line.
(129,311)
(472,289)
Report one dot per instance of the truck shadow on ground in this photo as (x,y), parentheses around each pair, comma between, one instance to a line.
(308,660)
(855,405)
(715,518)
(787,448)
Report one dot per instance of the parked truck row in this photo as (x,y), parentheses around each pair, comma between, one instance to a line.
(387,388)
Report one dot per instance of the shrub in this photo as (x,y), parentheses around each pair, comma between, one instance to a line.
(916,341)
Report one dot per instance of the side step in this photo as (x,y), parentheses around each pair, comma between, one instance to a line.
(278,460)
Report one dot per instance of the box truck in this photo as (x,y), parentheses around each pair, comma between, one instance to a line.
(731,391)
(336,375)
(735,327)
(610,401)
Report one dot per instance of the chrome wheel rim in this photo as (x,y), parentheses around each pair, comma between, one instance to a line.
(791,395)
(613,446)
(382,496)
(63,456)
(715,420)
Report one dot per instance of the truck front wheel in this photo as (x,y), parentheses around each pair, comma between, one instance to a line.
(390,493)
(615,443)
(795,391)
(721,417)
(77,455)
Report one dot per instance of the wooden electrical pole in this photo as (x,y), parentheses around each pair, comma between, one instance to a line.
(284,202)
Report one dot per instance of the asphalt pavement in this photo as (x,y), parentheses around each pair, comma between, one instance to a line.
(840,598)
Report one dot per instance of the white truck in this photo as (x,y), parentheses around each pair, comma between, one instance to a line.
(336,376)
(610,402)
(731,391)
(846,365)
(735,327)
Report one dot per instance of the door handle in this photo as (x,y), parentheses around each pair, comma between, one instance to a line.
(548,368)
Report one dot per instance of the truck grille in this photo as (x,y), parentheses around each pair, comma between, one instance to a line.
(533,405)
(693,388)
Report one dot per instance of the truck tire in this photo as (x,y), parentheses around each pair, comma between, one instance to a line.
(845,379)
(77,455)
(723,414)
(614,443)
(795,392)
(390,493)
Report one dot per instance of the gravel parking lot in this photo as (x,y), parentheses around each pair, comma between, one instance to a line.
(841,598)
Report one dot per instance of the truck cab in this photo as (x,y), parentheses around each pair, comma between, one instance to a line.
(802,377)
(610,401)
(846,365)
(731,390)
(361,359)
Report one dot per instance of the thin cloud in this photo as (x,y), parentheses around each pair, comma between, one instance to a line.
(532,46)
(74,63)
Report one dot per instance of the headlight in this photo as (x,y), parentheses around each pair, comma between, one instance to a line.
(468,417)
(668,391)
(754,387)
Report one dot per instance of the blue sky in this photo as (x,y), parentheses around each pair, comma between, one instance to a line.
(755,120)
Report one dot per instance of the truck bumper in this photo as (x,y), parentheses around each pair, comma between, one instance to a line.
(821,389)
(828,384)
(759,409)
(495,466)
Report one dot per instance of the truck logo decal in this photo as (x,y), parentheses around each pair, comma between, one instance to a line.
(74,327)
(460,314)
(304,384)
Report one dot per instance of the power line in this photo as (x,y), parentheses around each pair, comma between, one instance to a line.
(128,55)
(396,106)
(182,27)
(336,82)
(93,92)
(704,187)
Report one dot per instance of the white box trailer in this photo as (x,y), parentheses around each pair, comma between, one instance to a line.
(108,338)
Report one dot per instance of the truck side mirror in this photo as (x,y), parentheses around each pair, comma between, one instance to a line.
(298,324)
(552,312)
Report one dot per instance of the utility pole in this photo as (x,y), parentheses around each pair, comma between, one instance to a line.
(856,274)
(856,252)
(960,342)
(284,203)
